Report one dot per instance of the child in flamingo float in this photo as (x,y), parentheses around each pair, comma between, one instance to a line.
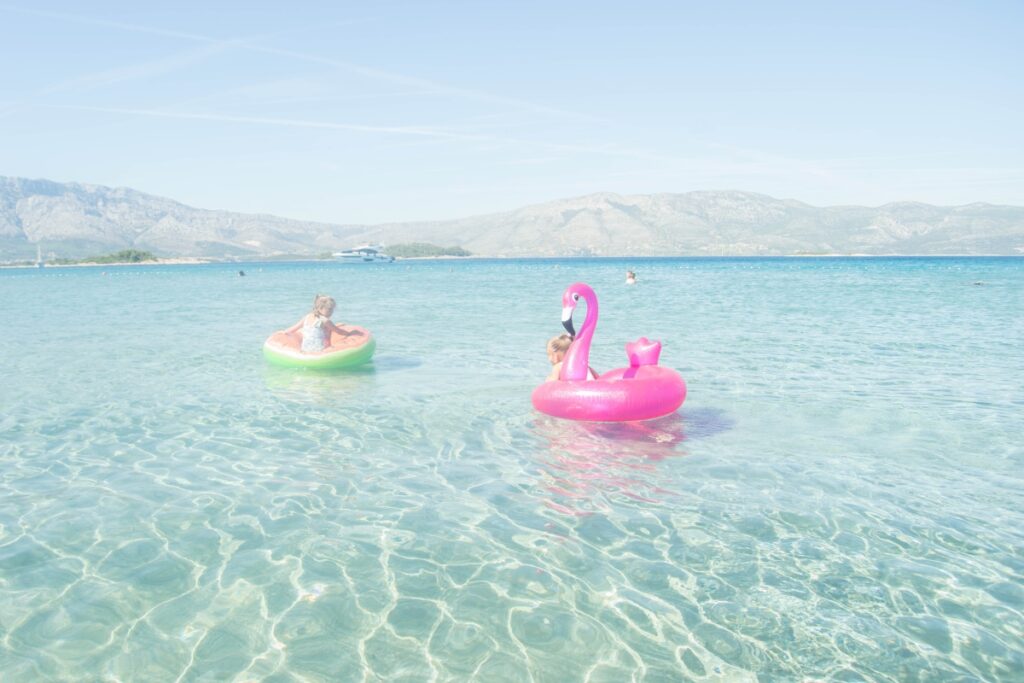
(557,346)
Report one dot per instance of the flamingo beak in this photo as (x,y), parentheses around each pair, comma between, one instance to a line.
(567,321)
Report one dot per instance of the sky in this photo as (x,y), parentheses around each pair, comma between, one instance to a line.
(389,111)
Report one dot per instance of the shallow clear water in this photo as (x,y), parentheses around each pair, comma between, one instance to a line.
(839,497)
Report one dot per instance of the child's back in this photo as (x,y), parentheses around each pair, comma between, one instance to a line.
(315,328)
(315,335)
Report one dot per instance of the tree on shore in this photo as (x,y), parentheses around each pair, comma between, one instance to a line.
(123,256)
(422,249)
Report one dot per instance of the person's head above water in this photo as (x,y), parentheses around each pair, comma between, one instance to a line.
(557,346)
(323,306)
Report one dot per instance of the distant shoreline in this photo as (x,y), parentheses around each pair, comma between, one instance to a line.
(200,260)
(176,261)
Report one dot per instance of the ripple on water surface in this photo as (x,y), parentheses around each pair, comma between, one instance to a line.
(839,498)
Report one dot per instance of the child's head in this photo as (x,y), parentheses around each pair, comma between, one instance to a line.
(557,346)
(323,306)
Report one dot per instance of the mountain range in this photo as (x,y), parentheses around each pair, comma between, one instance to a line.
(75,219)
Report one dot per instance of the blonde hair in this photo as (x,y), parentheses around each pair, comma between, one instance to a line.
(323,306)
(559,344)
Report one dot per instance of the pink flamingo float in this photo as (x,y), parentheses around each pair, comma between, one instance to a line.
(643,391)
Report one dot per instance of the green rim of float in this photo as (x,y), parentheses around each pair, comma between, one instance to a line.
(334,360)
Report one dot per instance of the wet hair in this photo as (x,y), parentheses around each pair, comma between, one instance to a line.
(559,344)
(323,306)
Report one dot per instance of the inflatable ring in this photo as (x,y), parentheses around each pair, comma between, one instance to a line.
(348,350)
(642,391)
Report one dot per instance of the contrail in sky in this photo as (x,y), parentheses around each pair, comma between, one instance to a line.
(369,72)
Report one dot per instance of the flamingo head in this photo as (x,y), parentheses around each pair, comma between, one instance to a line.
(570,298)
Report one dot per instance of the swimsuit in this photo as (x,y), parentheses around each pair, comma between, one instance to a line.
(314,336)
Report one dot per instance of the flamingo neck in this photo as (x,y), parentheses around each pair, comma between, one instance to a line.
(576,364)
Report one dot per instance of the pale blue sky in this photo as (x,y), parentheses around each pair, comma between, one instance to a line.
(348,112)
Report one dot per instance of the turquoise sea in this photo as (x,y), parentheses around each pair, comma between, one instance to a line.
(841,497)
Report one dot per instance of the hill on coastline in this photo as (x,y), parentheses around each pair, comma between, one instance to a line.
(74,220)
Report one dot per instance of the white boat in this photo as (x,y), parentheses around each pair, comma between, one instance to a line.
(368,253)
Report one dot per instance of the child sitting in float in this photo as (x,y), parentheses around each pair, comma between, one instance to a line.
(316,327)
(557,346)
